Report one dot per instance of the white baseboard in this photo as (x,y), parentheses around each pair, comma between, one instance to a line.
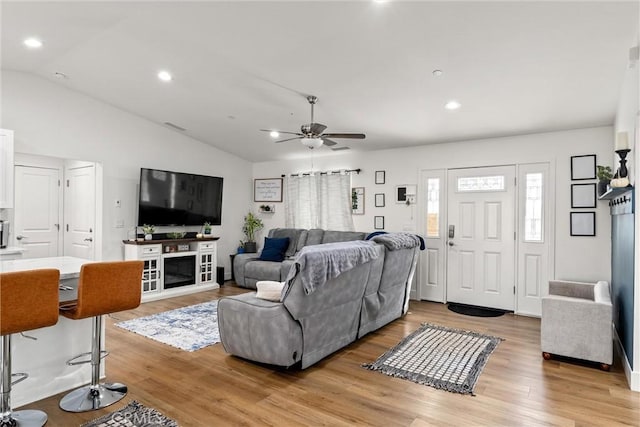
(633,377)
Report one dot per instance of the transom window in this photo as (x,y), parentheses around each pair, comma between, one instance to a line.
(481,183)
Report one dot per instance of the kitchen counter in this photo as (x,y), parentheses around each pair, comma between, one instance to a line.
(45,359)
(11,252)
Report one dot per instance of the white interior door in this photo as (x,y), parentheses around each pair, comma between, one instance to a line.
(481,237)
(80,211)
(37,211)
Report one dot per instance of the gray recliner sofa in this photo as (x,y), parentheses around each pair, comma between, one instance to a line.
(248,269)
(302,328)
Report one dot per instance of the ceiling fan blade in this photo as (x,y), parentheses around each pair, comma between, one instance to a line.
(288,139)
(317,128)
(328,142)
(279,131)
(344,135)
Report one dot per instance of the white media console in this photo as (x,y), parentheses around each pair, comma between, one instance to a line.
(175,267)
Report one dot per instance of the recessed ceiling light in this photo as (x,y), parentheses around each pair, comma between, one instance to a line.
(452,105)
(165,76)
(436,73)
(33,43)
(274,134)
(60,75)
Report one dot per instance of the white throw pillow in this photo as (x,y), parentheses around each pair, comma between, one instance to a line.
(269,290)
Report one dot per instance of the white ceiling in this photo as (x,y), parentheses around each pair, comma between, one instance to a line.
(516,67)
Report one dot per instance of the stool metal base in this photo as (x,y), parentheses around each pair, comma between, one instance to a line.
(26,418)
(90,398)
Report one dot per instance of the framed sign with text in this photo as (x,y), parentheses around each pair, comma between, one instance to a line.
(267,190)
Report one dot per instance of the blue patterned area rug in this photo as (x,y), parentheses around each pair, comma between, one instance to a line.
(189,328)
(444,358)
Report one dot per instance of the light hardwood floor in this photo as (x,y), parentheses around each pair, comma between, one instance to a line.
(210,388)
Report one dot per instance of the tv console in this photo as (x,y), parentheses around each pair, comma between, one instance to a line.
(174,267)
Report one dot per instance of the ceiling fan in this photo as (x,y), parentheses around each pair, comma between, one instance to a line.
(311,135)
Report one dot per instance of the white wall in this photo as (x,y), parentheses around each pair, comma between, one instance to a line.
(51,120)
(578,258)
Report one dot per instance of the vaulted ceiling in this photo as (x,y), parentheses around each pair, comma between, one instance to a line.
(515,67)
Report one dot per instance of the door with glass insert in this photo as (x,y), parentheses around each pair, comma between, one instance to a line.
(481,237)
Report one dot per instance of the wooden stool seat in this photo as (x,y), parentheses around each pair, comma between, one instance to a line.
(28,300)
(103,288)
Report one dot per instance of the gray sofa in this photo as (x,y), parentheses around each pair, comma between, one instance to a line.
(302,328)
(248,269)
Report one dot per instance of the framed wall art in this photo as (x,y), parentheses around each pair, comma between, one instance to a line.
(378,222)
(583,223)
(583,167)
(380,178)
(583,195)
(267,190)
(379,200)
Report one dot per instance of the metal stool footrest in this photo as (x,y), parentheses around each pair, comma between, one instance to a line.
(73,362)
(22,376)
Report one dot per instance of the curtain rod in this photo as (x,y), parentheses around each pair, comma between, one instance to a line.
(357,171)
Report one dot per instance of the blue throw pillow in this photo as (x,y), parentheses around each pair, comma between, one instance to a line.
(274,249)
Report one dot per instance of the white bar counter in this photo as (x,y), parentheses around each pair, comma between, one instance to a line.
(45,359)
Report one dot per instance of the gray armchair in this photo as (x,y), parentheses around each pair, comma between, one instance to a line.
(577,322)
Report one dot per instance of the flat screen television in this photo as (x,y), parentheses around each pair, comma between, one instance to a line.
(175,198)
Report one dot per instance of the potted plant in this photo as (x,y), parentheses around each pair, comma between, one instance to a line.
(604,178)
(252,224)
(206,228)
(148,231)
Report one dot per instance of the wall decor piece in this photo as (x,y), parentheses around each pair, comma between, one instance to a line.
(583,167)
(357,201)
(379,177)
(378,222)
(406,194)
(267,190)
(583,223)
(583,195)
(379,200)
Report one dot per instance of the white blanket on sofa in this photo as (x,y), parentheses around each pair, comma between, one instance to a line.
(317,264)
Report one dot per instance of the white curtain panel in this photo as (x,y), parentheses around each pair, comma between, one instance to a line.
(319,201)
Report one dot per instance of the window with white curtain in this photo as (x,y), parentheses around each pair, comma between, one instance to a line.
(319,201)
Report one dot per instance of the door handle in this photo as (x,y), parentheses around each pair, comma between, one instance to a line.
(89,239)
(451,243)
(19,237)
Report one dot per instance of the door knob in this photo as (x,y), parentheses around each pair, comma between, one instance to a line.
(19,237)
(89,239)
(451,243)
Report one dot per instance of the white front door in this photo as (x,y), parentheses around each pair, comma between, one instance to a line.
(80,211)
(481,237)
(37,211)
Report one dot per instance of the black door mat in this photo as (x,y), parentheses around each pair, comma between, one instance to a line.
(473,310)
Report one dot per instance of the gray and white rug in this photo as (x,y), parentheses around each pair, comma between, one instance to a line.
(133,415)
(444,358)
(188,328)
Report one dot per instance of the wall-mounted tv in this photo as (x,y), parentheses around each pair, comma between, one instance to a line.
(174,198)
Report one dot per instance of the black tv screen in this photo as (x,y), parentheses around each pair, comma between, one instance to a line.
(174,198)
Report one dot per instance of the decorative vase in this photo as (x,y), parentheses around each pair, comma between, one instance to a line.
(250,247)
(240,249)
(148,236)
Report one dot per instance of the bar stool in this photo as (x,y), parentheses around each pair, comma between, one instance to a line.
(28,300)
(103,288)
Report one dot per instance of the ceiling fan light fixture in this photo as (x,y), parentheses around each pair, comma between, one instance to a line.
(452,105)
(311,142)
(274,134)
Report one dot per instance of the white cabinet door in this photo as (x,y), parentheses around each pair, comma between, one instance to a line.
(6,169)
(37,213)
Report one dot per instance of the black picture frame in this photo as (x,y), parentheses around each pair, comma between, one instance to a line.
(378,222)
(583,196)
(379,200)
(582,224)
(583,167)
(380,177)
